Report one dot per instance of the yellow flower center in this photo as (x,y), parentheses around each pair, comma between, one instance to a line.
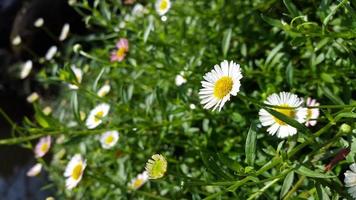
(77,171)
(109,139)
(120,52)
(138,182)
(163,5)
(98,116)
(287,112)
(223,87)
(309,113)
(44,147)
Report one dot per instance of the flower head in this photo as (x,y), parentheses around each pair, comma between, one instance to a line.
(26,69)
(156,166)
(104,90)
(163,6)
(180,80)
(96,115)
(42,146)
(219,84)
(51,52)
(39,22)
(312,113)
(290,102)
(109,139)
(35,170)
(78,73)
(137,182)
(122,48)
(32,97)
(74,171)
(64,32)
(350,180)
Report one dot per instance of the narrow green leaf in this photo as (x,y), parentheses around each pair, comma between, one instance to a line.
(250,146)
(288,120)
(287,184)
(290,74)
(322,195)
(148,29)
(273,53)
(95,84)
(310,173)
(335,99)
(41,120)
(226,41)
(291,8)
(327,78)
(211,163)
(272,22)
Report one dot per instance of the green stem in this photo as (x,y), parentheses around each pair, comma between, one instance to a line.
(296,186)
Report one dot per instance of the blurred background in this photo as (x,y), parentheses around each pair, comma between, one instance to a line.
(17,18)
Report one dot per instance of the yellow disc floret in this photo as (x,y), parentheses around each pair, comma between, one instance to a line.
(223,87)
(77,171)
(288,111)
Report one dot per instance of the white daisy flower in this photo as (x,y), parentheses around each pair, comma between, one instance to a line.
(312,113)
(74,171)
(180,80)
(47,110)
(51,52)
(35,170)
(163,6)
(64,32)
(219,84)
(138,10)
(350,180)
(104,90)
(156,167)
(137,182)
(32,97)
(39,22)
(96,115)
(42,146)
(109,139)
(78,73)
(283,99)
(26,69)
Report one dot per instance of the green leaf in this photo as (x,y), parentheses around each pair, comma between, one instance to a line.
(335,99)
(95,84)
(272,22)
(226,41)
(327,78)
(322,195)
(211,163)
(250,146)
(148,29)
(291,8)
(41,120)
(310,173)
(289,74)
(287,184)
(288,120)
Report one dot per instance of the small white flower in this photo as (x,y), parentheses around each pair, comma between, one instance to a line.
(138,10)
(180,80)
(163,6)
(164,18)
(64,32)
(26,69)
(192,106)
(51,52)
(277,126)
(33,97)
(104,90)
(35,170)
(219,84)
(78,73)
(74,171)
(39,22)
(137,182)
(72,2)
(109,139)
(42,146)
(47,110)
(350,180)
(312,113)
(96,115)
(16,41)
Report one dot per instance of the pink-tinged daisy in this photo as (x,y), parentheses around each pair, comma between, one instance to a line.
(219,84)
(291,102)
(74,171)
(312,113)
(140,180)
(42,146)
(122,48)
(35,170)
(96,115)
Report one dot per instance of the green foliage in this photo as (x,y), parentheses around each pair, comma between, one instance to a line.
(305,47)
